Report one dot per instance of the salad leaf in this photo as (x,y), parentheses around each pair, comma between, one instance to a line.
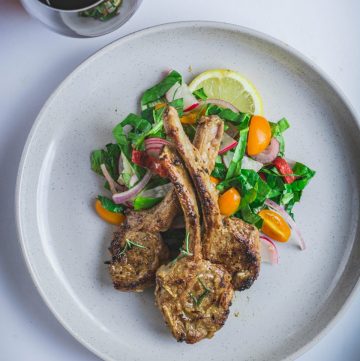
(145,202)
(228,114)
(128,171)
(249,216)
(161,88)
(288,194)
(200,94)
(109,205)
(108,156)
(277,130)
(125,143)
(219,169)
(254,192)
(235,164)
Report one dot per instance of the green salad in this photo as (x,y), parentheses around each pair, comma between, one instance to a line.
(252,174)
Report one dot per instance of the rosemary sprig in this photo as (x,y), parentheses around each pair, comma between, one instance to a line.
(198,300)
(128,245)
(183,252)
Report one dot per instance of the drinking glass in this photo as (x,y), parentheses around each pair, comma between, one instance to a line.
(98,18)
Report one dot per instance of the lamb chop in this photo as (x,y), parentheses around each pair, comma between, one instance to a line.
(193,294)
(160,217)
(227,241)
(137,248)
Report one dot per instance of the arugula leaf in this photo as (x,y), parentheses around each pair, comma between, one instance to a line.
(235,164)
(161,88)
(145,202)
(108,156)
(109,205)
(200,94)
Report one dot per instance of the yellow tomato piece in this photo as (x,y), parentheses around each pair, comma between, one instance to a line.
(229,201)
(110,217)
(259,135)
(214,180)
(189,118)
(275,226)
(159,106)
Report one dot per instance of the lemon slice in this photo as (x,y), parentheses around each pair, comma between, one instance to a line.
(230,86)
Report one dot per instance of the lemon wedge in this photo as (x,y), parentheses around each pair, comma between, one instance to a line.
(230,86)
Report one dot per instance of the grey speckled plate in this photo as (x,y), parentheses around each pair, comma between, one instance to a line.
(65,244)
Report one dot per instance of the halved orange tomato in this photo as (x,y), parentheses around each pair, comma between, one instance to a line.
(229,201)
(110,217)
(214,180)
(274,225)
(259,136)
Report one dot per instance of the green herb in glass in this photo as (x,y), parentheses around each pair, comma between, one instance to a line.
(104,11)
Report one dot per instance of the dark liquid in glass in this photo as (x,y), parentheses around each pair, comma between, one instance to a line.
(69,4)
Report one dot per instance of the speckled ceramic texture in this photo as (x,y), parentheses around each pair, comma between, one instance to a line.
(65,244)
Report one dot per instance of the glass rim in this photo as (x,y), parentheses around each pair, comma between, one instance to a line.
(97,2)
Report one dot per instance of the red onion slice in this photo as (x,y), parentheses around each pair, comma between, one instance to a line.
(271,204)
(221,103)
(110,180)
(270,153)
(268,250)
(227,143)
(157,141)
(154,146)
(122,198)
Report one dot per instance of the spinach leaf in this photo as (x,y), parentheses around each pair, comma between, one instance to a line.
(235,164)
(108,156)
(145,202)
(159,90)
(219,169)
(109,205)
(200,94)
(254,192)
(277,130)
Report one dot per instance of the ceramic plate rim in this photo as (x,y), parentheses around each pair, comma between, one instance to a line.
(162,27)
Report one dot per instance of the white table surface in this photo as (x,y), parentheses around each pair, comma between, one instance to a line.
(33,61)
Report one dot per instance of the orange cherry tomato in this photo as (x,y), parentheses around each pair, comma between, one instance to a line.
(229,202)
(214,180)
(259,135)
(189,118)
(193,116)
(275,226)
(110,217)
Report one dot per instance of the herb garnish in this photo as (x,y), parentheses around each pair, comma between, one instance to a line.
(183,252)
(129,245)
(198,300)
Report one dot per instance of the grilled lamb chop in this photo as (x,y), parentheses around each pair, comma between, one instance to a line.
(227,241)
(160,217)
(193,294)
(134,269)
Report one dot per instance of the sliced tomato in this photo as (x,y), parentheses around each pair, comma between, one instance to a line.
(284,169)
(144,160)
